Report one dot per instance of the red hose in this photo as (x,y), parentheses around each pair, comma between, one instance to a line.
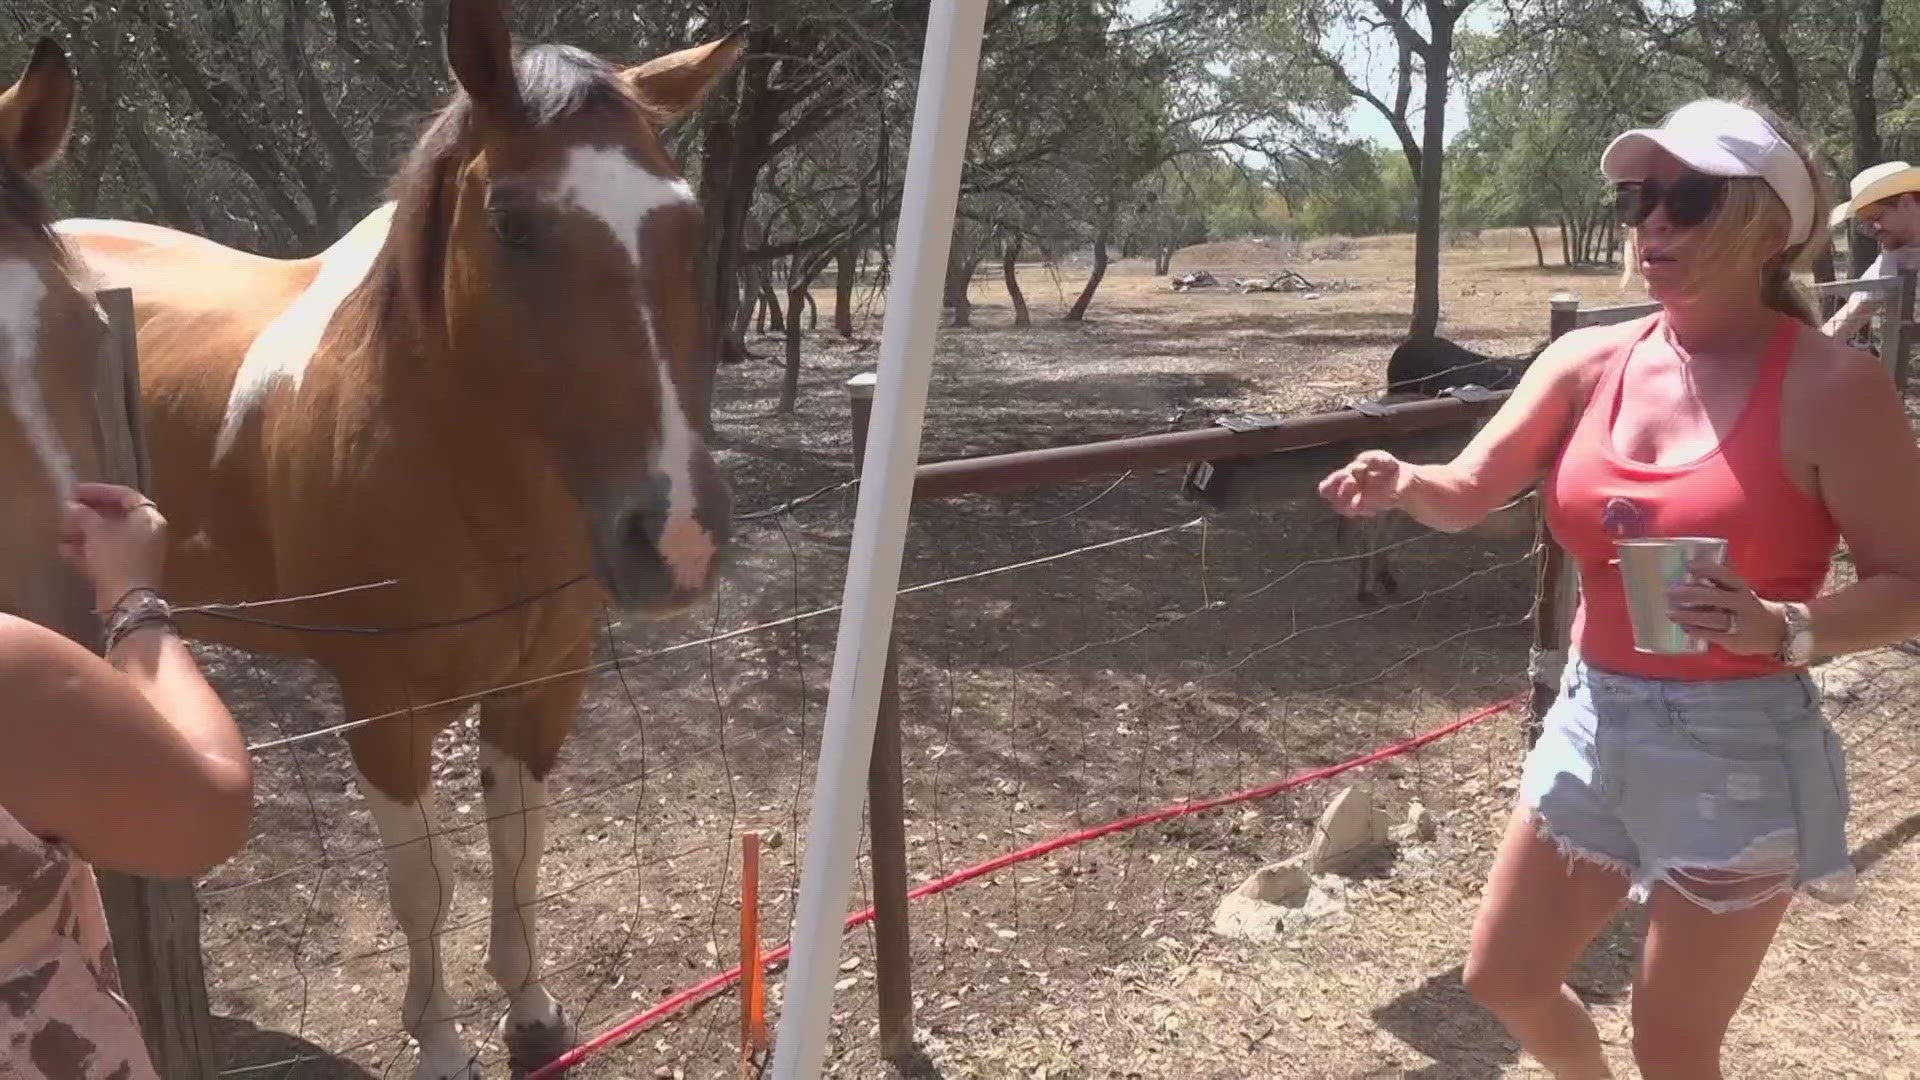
(701,991)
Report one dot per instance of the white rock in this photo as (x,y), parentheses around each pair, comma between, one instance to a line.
(1349,828)
(1277,882)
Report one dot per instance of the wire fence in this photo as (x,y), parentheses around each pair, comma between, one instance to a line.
(1061,667)
(1078,667)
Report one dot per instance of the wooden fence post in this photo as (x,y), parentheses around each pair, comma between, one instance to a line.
(155,924)
(1896,333)
(886,817)
(1555,583)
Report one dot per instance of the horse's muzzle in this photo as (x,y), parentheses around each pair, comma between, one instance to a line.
(662,552)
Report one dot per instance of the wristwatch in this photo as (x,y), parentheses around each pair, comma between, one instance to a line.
(1796,648)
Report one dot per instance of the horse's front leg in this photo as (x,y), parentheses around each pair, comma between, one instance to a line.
(520,736)
(393,767)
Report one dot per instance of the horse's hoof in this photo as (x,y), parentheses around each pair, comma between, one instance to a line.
(531,1046)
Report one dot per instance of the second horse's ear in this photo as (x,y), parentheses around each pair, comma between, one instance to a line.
(480,54)
(676,83)
(36,112)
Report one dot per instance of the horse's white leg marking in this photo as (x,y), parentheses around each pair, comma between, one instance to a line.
(287,344)
(21,292)
(621,193)
(517,835)
(420,888)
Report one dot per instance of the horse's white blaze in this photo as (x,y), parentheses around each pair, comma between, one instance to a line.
(287,344)
(22,290)
(609,184)
(620,192)
(420,888)
(517,836)
(684,544)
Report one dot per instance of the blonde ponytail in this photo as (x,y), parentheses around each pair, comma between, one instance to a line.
(1780,292)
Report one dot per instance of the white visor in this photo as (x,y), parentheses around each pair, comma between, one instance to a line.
(1720,138)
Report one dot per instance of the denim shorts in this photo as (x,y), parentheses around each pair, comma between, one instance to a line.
(1731,792)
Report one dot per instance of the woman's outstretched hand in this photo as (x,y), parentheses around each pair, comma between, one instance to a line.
(1369,484)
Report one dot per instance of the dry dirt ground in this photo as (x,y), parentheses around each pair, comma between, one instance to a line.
(1192,656)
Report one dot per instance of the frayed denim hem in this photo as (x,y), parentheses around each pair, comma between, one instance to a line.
(1762,873)
(1574,853)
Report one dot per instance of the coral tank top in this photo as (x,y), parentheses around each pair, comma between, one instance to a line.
(1779,539)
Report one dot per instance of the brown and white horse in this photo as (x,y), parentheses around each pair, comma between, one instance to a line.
(51,332)
(490,391)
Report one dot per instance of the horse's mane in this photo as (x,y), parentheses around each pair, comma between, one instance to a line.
(556,82)
(25,213)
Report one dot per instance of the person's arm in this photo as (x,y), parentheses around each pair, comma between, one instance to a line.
(133,761)
(1852,315)
(1504,458)
(1867,467)
(1860,306)
(140,770)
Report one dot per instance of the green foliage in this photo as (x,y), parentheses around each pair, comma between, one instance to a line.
(1361,189)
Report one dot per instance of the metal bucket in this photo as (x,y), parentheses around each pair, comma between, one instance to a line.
(1649,566)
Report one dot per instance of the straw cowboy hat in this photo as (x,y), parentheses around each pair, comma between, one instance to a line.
(1882,181)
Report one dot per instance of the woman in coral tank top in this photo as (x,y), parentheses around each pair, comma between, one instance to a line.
(1706,785)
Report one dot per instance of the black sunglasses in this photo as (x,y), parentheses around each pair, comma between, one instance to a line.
(1689,199)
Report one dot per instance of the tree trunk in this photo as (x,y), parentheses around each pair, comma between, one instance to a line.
(100,95)
(1433,145)
(1864,111)
(169,190)
(743,312)
(844,275)
(1539,252)
(1078,312)
(790,379)
(770,298)
(1163,260)
(1008,271)
(959,276)
(813,309)
(1566,242)
(733,145)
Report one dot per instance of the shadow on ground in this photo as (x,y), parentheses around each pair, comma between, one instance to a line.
(257,1051)
(1465,1042)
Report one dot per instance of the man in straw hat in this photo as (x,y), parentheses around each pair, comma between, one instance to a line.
(1886,205)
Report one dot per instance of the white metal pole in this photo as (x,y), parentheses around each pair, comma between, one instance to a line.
(950,62)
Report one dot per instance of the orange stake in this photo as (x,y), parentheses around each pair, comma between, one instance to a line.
(753,1025)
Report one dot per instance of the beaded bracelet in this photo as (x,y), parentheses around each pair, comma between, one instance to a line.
(125,618)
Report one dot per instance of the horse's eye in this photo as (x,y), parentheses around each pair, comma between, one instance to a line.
(511,225)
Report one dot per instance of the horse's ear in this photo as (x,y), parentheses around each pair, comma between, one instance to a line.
(676,83)
(36,113)
(480,52)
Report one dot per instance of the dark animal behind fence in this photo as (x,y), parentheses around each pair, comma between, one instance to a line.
(1424,367)
(1420,368)
(1431,366)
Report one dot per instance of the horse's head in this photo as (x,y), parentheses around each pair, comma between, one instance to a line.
(553,243)
(51,333)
